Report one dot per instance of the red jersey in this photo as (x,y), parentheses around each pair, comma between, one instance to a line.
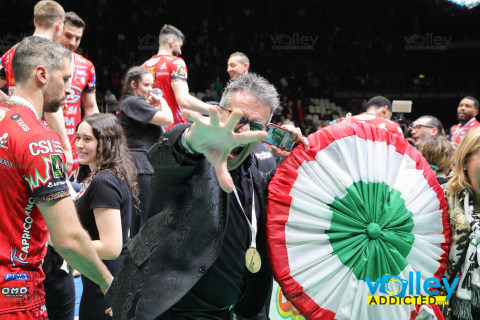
(32,171)
(375,119)
(460,131)
(83,80)
(6,70)
(165,70)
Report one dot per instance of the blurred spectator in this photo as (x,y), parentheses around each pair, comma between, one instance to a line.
(426,127)
(218,85)
(208,96)
(439,154)
(111,102)
(467,111)
(214,93)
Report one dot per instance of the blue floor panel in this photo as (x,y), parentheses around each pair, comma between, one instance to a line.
(78,294)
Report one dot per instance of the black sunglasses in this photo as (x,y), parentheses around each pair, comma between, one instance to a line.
(254,125)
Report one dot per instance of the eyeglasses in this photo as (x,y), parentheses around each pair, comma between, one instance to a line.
(419,126)
(254,125)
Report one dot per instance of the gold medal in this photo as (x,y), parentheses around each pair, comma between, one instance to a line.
(253,261)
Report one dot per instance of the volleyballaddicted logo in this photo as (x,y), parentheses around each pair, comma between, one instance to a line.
(401,291)
(394,286)
(148,42)
(9,40)
(293,42)
(429,41)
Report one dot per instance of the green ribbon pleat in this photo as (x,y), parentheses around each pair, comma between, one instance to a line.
(383,248)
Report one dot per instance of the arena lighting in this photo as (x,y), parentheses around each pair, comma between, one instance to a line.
(466,3)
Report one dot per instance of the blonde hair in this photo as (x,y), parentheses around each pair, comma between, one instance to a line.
(459,180)
(46,13)
(438,151)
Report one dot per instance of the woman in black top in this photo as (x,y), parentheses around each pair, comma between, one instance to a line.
(104,203)
(142,124)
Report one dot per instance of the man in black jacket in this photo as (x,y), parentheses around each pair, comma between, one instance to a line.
(199,255)
(239,64)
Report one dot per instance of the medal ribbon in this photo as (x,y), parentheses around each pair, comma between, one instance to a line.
(253,225)
(25,103)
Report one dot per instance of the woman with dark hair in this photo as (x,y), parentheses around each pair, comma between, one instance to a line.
(104,203)
(142,124)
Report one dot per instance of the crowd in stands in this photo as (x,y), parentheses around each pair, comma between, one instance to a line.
(348,52)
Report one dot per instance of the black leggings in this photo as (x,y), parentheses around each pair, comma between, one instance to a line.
(139,219)
(60,297)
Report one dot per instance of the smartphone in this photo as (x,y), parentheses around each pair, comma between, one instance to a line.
(403,106)
(279,137)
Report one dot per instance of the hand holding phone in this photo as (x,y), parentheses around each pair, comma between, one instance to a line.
(279,137)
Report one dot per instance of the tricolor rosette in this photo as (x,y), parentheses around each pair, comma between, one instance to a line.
(360,204)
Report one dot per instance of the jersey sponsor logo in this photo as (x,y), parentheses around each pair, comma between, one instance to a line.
(69,121)
(70,131)
(55,184)
(152,62)
(58,166)
(15,116)
(6,163)
(91,85)
(41,313)
(179,72)
(163,66)
(82,73)
(264,155)
(22,124)
(14,291)
(180,116)
(16,261)
(70,110)
(16,276)
(38,179)
(57,146)
(162,74)
(3,141)
(27,225)
(75,96)
(42,146)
